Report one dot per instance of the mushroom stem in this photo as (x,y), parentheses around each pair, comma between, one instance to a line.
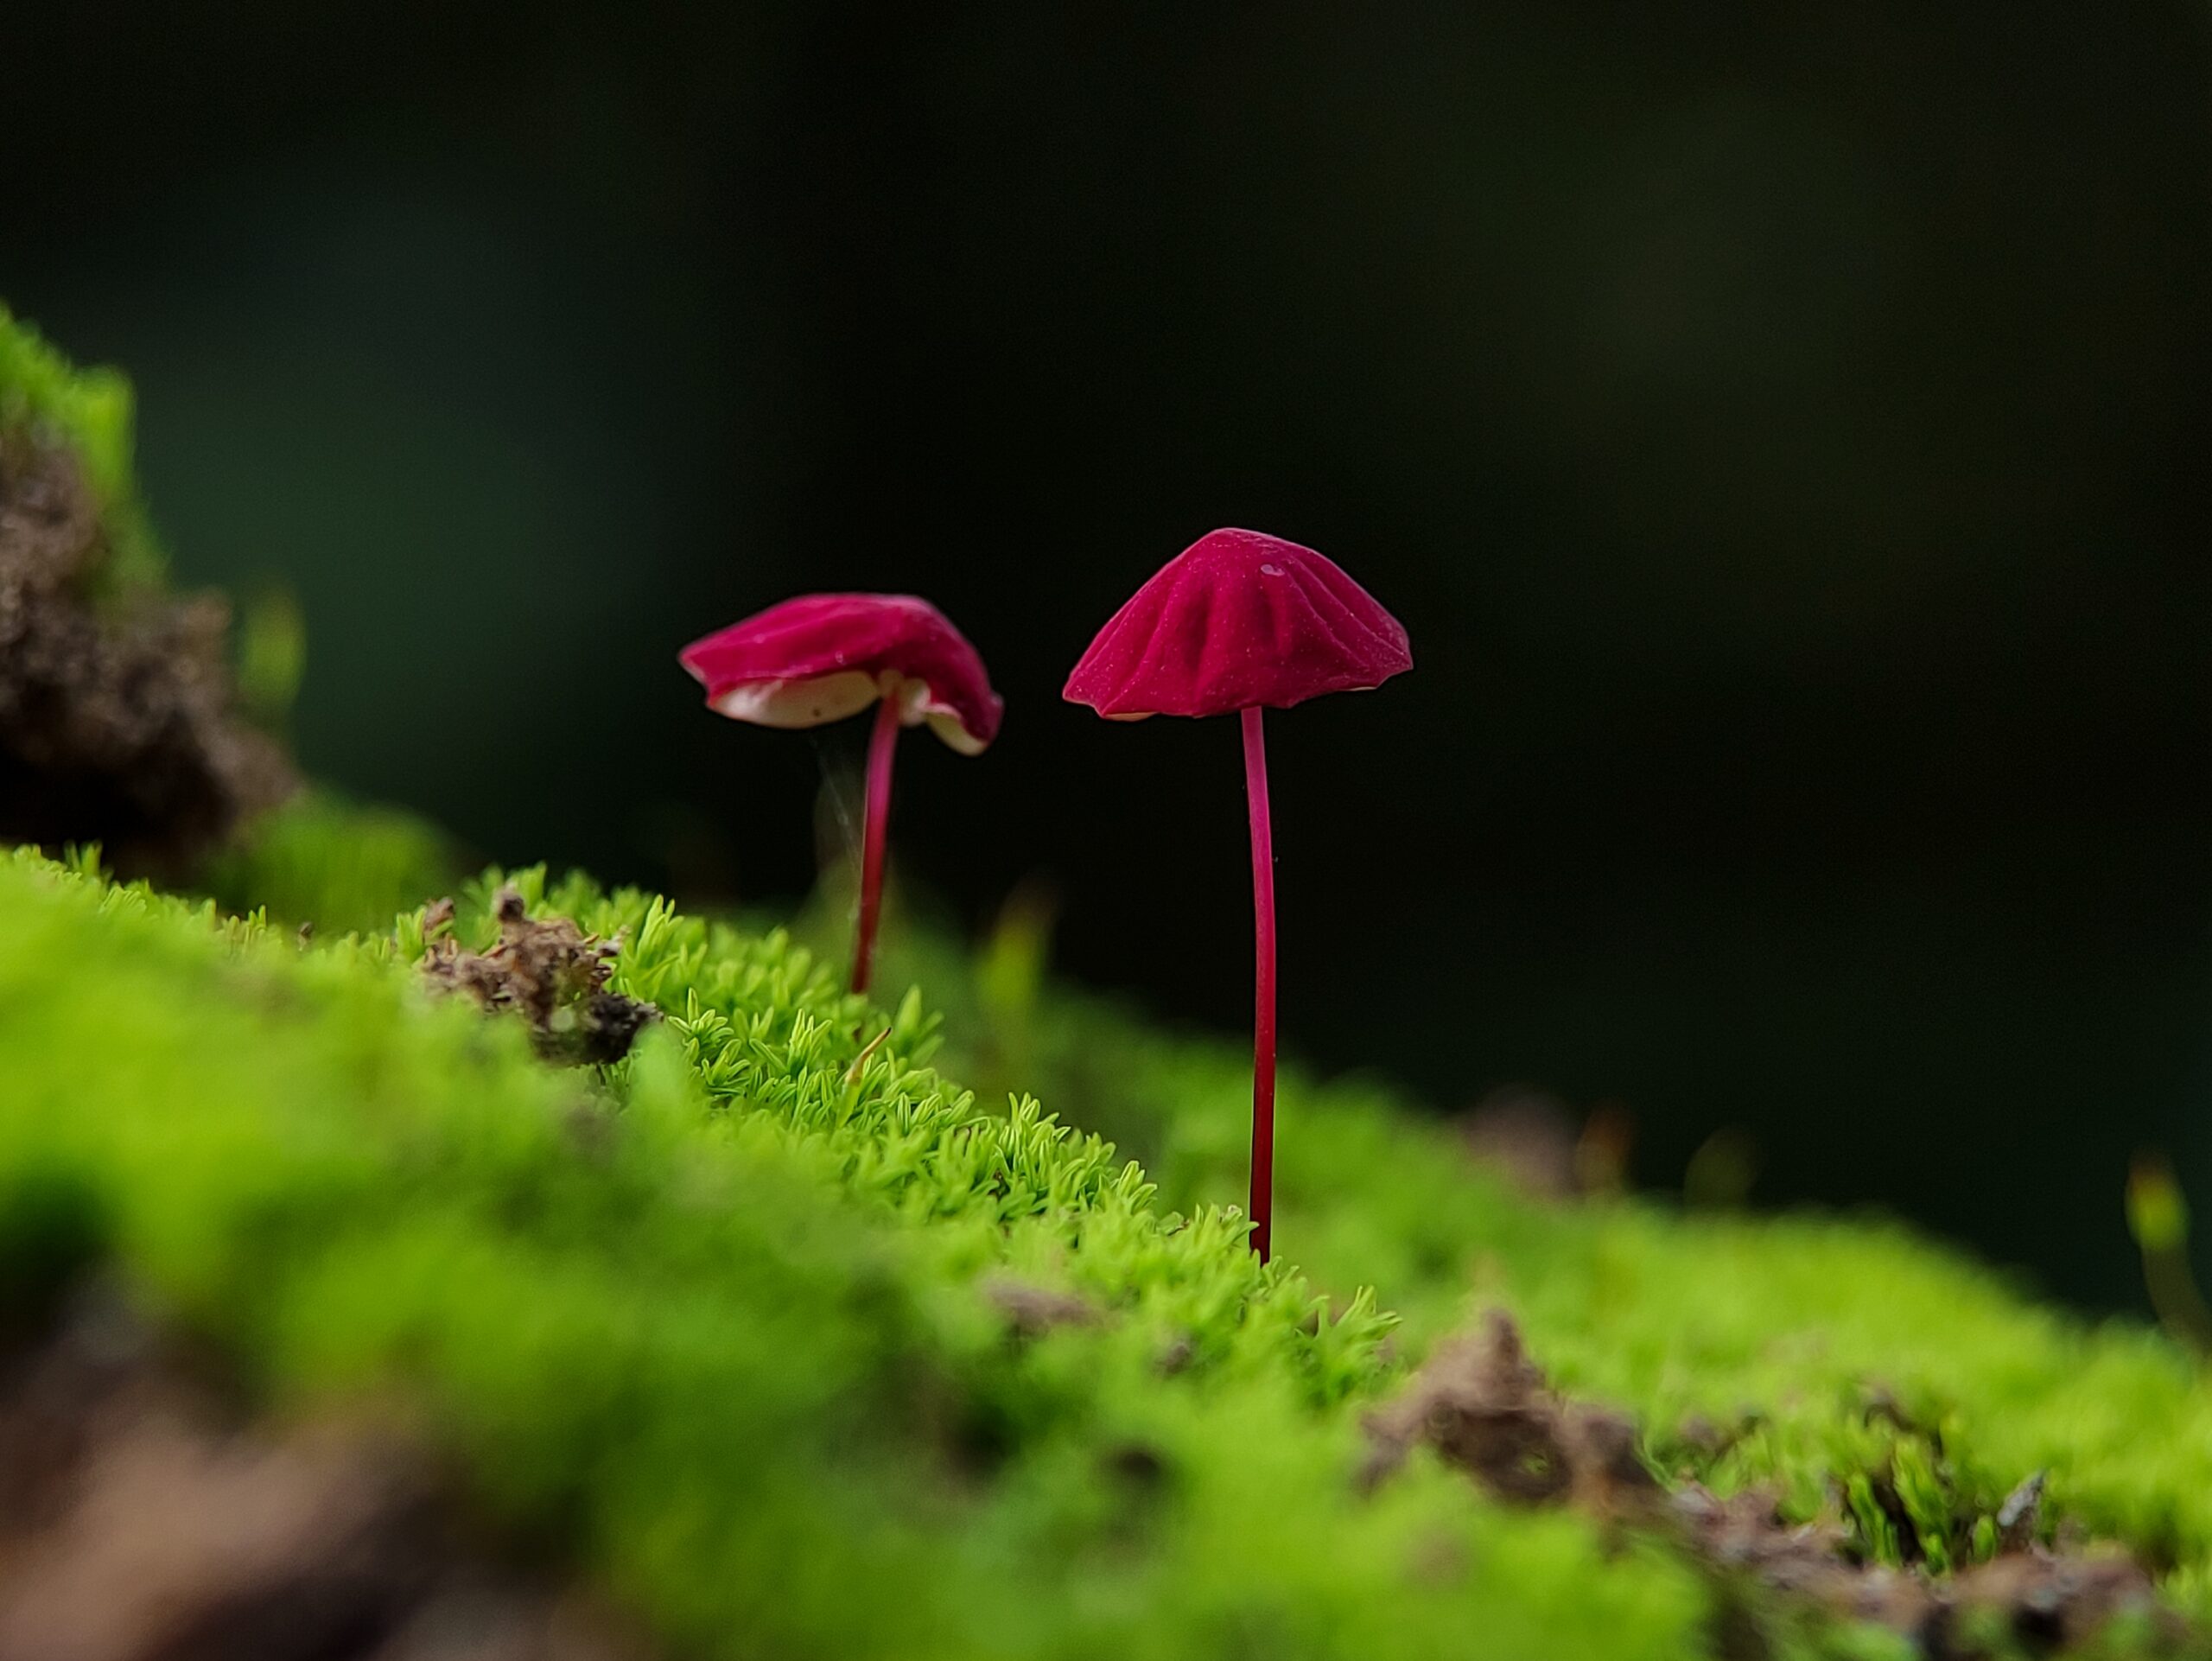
(1263,985)
(881,743)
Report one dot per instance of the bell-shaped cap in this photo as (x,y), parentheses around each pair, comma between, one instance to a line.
(823,657)
(1239,619)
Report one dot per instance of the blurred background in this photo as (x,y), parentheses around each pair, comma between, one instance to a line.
(1782,430)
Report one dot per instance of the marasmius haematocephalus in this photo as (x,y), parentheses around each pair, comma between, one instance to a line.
(823,657)
(1243,621)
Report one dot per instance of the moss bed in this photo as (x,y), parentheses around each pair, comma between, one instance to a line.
(783,1342)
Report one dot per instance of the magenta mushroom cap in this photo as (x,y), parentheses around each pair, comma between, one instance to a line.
(823,657)
(1237,619)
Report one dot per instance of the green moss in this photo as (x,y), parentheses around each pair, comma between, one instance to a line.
(721,1323)
(332,865)
(89,412)
(1803,1321)
(729,1340)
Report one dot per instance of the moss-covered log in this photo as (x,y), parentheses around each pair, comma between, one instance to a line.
(770,1334)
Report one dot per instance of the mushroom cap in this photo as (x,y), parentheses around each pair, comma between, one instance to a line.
(1239,619)
(823,657)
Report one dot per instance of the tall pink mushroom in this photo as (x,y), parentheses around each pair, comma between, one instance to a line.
(823,657)
(1240,621)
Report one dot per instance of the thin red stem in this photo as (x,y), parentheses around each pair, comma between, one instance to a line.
(881,744)
(1263,987)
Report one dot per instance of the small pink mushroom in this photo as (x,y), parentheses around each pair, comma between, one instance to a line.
(1243,621)
(823,657)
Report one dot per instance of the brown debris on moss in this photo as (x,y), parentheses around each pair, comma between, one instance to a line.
(143,1518)
(2021,1517)
(1032,1311)
(2037,1598)
(549,972)
(118,718)
(2043,1600)
(1485,1407)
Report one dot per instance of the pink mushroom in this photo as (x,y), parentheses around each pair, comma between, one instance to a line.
(823,657)
(1243,621)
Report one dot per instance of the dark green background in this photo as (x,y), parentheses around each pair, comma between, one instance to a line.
(1782,428)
